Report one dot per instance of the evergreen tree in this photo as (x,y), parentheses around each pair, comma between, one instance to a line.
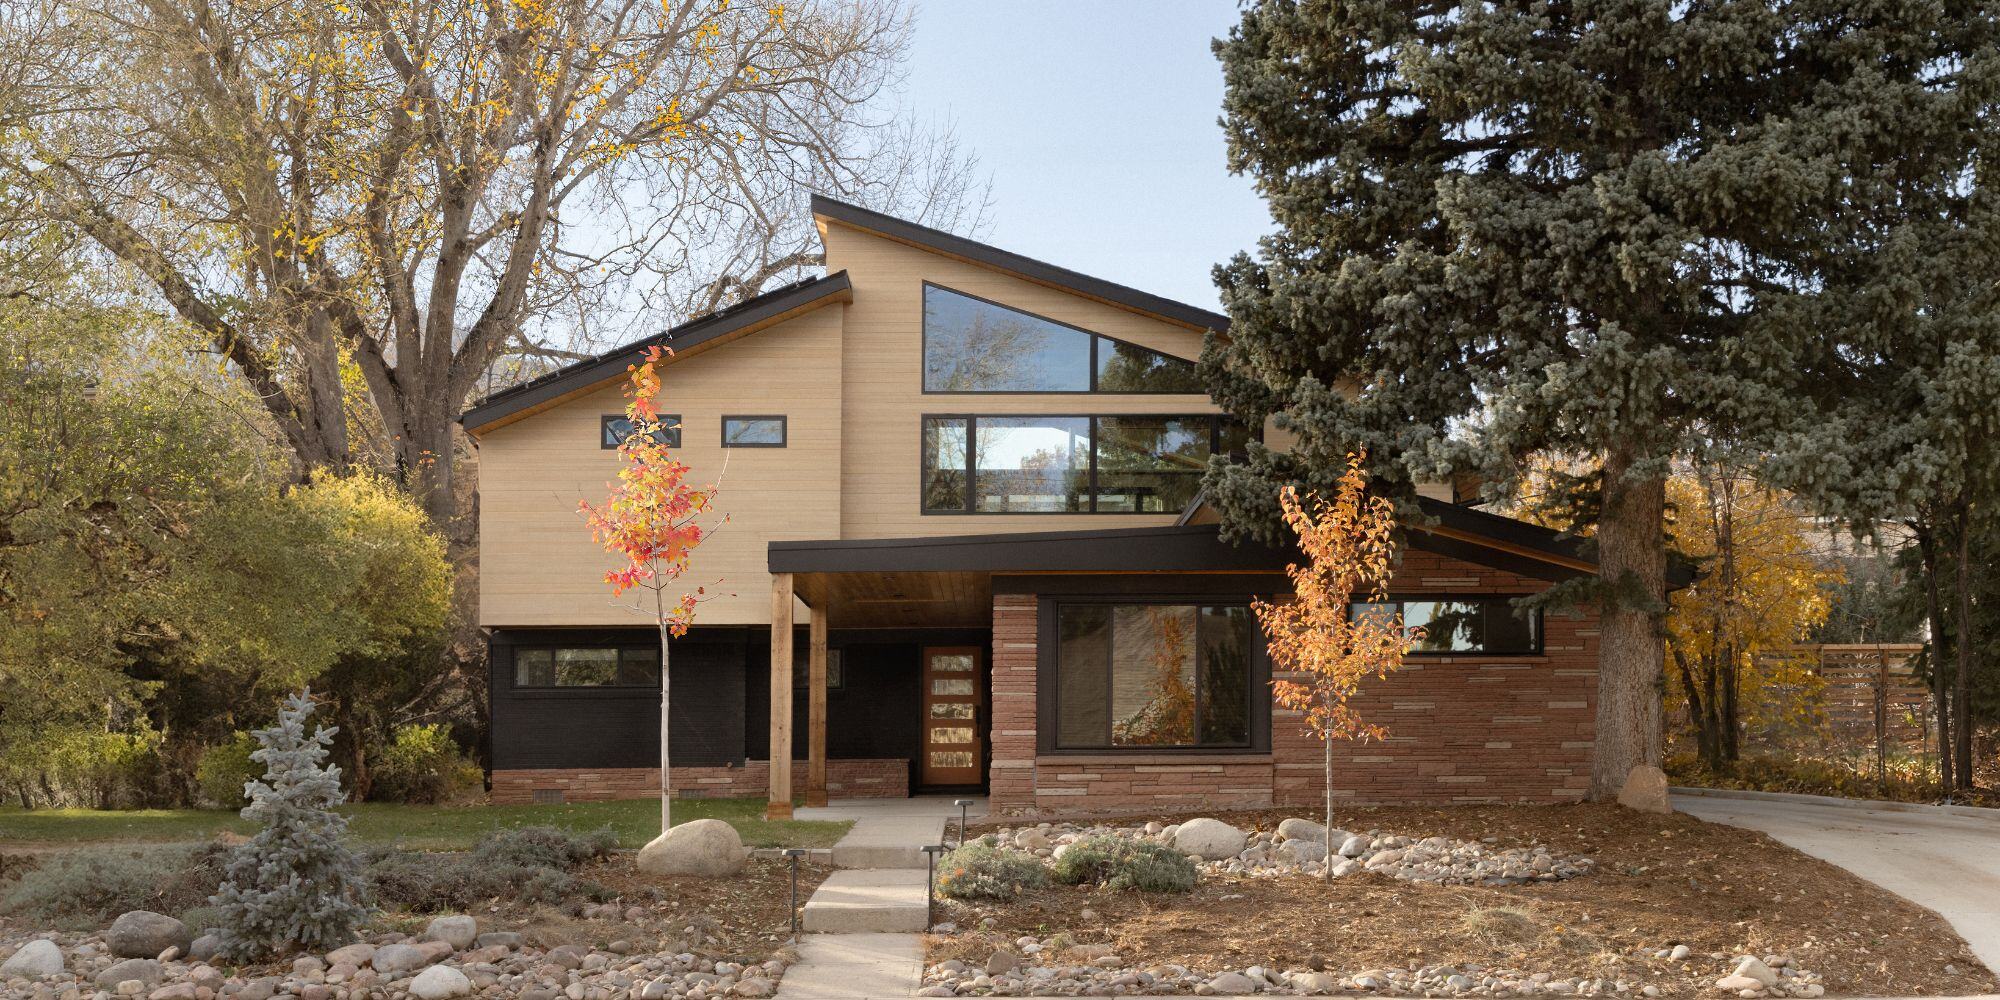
(1602,228)
(295,884)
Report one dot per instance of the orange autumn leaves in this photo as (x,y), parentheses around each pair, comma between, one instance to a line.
(653,519)
(1349,545)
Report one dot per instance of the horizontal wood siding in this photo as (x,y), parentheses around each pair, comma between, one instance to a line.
(538,565)
(882,367)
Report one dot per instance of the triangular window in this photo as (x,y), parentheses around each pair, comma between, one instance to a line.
(972,345)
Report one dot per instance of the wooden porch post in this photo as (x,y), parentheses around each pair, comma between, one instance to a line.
(780,806)
(816,710)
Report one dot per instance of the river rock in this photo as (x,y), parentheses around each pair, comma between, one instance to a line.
(440,982)
(1232,984)
(1209,839)
(1751,968)
(145,970)
(456,930)
(395,958)
(38,959)
(1302,829)
(706,847)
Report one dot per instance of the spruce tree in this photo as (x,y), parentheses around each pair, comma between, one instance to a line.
(296,884)
(1591,228)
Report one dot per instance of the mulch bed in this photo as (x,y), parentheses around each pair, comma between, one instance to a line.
(1661,881)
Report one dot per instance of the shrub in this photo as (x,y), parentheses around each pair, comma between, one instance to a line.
(91,885)
(1124,863)
(422,765)
(978,871)
(530,865)
(226,769)
(295,884)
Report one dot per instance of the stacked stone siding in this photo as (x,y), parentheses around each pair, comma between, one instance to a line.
(1461,728)
(883,778)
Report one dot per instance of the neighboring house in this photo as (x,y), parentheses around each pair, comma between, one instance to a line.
(968,480)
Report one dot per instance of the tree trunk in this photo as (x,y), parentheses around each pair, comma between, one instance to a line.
(1632,562)
(1927,550)
(424,457)
(1697,711)
(1327,876)
(1961,684)
(666,786)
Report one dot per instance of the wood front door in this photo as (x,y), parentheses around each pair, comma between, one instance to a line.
(953,753)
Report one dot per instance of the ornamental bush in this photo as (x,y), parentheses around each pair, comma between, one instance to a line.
(226,769)
(530,865)
(422,765)
(89,886)
(295,884)
(979,871)
(1124,863)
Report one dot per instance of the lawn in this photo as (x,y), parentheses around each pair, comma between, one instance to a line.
(421,827)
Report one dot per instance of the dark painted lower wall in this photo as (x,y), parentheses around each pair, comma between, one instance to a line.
(720,700)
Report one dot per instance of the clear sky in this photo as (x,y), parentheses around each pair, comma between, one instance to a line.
(1096,120)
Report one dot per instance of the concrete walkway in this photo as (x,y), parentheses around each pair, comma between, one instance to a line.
(862,922)
(1949,862)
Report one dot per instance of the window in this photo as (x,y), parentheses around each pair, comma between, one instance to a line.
(1153,675)
(753,432)
(972,345)
(836,677)
(588,666)
(614,428)
(1078,465)
(1466,624)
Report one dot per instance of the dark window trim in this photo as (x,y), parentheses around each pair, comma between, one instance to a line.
(514,676)
(1258,684)
(1215,424)
(784,430)
(923,362)
(1541,626)
(670,422)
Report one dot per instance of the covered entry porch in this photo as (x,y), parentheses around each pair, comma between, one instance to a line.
(979,707)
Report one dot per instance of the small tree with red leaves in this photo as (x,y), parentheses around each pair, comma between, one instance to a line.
(653,521)
(1316,637)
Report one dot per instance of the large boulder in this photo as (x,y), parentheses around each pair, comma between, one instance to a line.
(37,959)
(1302,829)
(1645,790)
(144,934)
(456,930)
(440,982)
(1209,839)
(706,847)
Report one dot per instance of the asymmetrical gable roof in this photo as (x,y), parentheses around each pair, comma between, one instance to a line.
(571,380)
(1043,273)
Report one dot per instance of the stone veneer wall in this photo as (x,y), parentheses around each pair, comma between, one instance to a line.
(1461,728)
(883,778)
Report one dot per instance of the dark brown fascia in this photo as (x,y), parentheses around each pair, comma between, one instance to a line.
(1040,272)
(748,316)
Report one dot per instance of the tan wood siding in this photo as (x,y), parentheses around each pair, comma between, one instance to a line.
(538,565)
(883,370)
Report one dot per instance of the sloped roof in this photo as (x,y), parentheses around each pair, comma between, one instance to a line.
(939,241)
(751,314)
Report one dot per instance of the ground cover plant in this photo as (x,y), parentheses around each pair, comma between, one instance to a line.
(1660,881)
(978,871)
(1118,863)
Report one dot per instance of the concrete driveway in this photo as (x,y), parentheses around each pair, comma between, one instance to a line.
(1947,861)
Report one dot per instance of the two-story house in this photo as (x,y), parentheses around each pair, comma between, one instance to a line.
(965,551)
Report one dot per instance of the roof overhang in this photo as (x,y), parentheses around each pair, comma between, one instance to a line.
(686,340)
(937,241)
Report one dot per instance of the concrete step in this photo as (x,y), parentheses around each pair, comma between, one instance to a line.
(868,901)
(854,967)
(888,842)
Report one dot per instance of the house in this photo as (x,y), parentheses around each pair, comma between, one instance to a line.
(965,552)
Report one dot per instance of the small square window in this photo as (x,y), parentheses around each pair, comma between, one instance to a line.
(614,428)
(753,432)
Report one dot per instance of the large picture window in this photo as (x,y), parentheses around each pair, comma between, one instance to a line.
(972,345)
(586,667)
(1153,675)
(1466,624)
(1070,464)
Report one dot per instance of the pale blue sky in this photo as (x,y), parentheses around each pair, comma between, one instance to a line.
(1096,121)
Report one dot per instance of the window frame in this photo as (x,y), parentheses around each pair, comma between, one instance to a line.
(1540,624)
(784,430)
(1216,422)
(514,667)
(670,422)
(1257,678)
(923,358)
